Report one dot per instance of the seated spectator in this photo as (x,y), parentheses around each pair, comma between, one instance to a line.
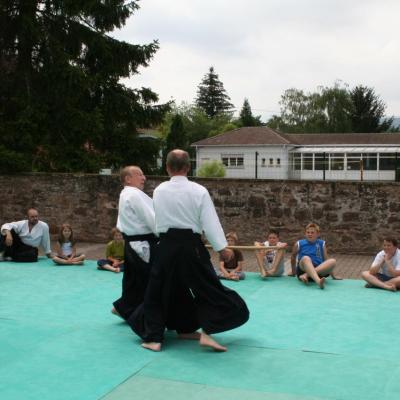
(20,240)
(114,260)
(66,248)
(232,269)
(271,262)
(310,258)
(384,272)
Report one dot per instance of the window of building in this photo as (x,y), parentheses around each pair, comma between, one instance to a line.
(387,161)
(278,162)
(337,161)
(233,160)
(296,161)
(353,161)
(263,162)
(271,162)
(308,161)
(370,161)
(319,162)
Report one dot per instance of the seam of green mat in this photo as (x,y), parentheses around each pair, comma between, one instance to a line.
(127,378)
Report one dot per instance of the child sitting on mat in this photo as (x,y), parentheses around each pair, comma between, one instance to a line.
(310,258)
(271,262)
(384,272)
(114,260)
(66,248)
(232,269)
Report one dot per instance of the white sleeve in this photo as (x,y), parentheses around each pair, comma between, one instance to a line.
(46,239)
(380,257)
(145,212)
(211,224)
(17,226)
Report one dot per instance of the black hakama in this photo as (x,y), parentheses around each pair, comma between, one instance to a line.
(184,292)
(135,276)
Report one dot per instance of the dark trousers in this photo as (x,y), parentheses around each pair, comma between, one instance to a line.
(18,251)
(135,277)
(184,292)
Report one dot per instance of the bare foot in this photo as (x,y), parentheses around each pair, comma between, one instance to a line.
(189,336)
(208,341)
(321,283)
(116,270)
(263,273)
(304,278)
(115,312)
(391,287)
(153,346)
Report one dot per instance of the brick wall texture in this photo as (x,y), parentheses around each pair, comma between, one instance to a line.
(354,216)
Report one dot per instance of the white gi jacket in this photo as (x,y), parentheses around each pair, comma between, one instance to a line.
(38,236)
(182,204)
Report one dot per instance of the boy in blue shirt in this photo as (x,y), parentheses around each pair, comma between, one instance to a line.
(310,258)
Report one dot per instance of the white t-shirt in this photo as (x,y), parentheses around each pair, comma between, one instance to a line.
(182,204)
(269,259)
(380,258)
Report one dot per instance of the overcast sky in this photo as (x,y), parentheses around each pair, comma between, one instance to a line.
(260,48)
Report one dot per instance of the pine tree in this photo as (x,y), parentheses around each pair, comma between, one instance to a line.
(246,117)
(176,138)
(368,111)
(212,97)
(62,106)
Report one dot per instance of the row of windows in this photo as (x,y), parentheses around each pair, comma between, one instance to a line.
(344,161)
(237,161)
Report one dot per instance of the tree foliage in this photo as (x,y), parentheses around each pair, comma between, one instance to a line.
(211,169)
(331,110)
(196,125)
(62,106)
(368,111)
(246,117)
(212,97)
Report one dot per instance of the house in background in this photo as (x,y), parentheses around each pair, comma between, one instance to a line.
(263,153)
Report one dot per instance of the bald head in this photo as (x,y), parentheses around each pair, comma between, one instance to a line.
(132,176)
(178,162)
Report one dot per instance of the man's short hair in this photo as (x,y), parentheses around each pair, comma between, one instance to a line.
(391,240)
(313,225)
(31,208)
(273,232)
(178,160)
(126,171)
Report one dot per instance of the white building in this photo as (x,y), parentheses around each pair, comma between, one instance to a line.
(262,153)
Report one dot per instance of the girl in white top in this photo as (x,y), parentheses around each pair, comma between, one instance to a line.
(66,248)
(384,272)
(271,262)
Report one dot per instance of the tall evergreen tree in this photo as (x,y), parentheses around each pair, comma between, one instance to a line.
(176,138)
(212,97)
(62,106)
(368,111)
(246,117)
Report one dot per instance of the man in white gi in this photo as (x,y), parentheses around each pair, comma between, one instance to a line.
(184,210)
(20,240)
(137,224)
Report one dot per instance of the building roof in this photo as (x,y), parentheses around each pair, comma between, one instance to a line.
(262,135)
(358,139)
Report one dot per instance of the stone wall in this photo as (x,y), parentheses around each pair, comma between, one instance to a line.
(354,216)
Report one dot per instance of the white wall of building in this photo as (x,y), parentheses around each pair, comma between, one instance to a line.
(272,161)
